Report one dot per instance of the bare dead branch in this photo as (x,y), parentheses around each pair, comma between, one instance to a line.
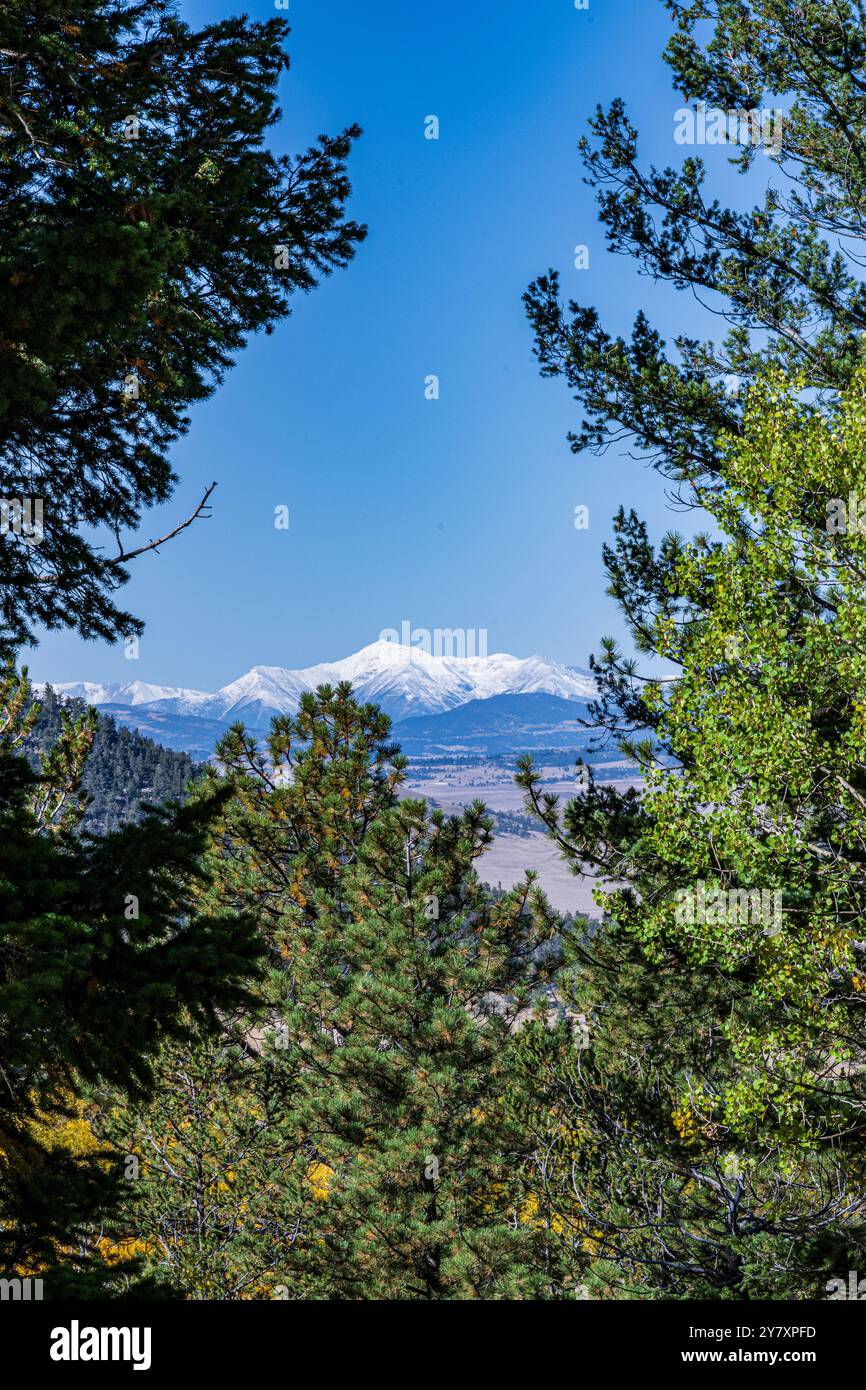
(123,556)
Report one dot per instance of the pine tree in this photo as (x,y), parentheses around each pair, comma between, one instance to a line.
(717,1114)
(355,1131)
(145,232)
(225,1176)
(401,1037)
(781,274)
(104,954)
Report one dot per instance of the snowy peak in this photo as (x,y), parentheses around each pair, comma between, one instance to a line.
(403,680)
(131,693)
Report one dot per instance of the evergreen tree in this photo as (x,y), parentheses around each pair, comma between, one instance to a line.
(783,274)
(227,1184)
(715,1122)
(104,954)
(145,232)
(401,1036)
(354,1133)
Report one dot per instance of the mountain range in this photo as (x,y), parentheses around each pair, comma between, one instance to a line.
(501,724)
(404,681)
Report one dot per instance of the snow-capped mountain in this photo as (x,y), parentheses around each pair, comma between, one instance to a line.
(403,680)
(133,693)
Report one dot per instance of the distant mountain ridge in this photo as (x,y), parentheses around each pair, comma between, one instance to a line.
(405,681)
(501,724)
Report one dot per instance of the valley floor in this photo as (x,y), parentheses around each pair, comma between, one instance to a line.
(453,787)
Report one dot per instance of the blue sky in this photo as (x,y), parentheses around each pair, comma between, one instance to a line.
(450,513)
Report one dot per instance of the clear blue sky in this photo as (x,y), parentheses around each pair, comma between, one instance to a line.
(453,513)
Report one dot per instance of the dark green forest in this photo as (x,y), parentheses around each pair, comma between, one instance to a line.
(123,768)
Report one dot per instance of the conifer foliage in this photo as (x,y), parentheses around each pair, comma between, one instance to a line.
(104,953)
(713,1130)
(145,231)
(365,1144)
